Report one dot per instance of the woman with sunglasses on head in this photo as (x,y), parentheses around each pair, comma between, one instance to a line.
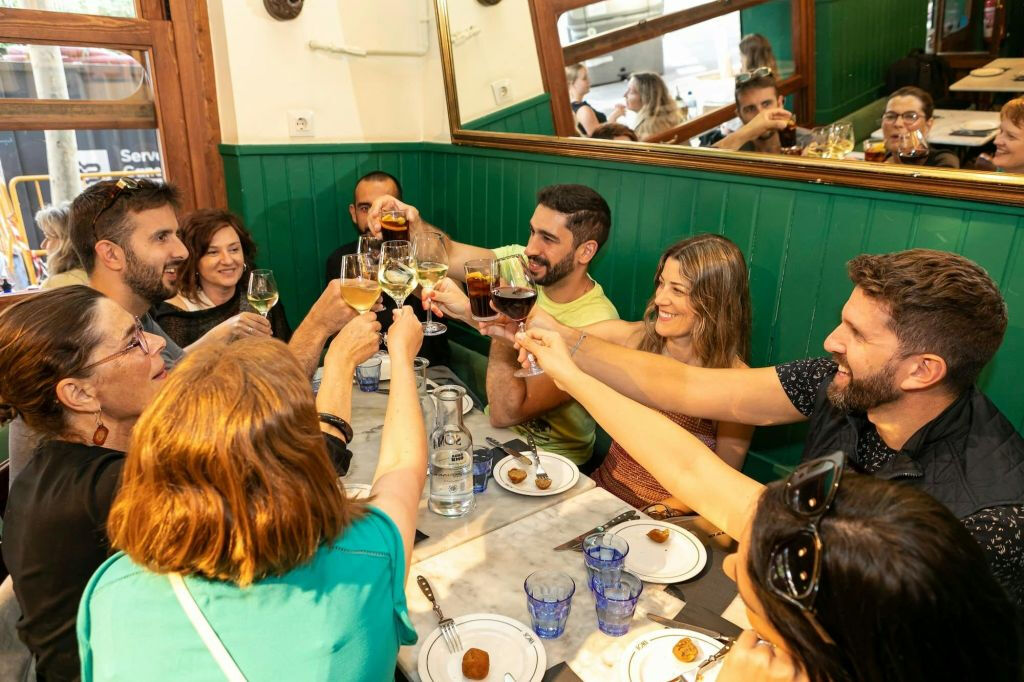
(845,577)
(910,109)
(213,286)
(79,370)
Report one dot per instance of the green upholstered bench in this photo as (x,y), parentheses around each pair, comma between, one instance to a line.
(866,119)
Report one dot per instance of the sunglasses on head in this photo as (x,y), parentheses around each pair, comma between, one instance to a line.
(122,186)
(759,72)
(794,565)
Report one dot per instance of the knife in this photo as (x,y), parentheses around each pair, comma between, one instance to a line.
(576,544)
(508,451)
(668,622)
(509,678)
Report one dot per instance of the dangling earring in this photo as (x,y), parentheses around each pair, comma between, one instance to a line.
(99,436)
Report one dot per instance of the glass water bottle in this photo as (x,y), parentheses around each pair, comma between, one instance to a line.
(451,456)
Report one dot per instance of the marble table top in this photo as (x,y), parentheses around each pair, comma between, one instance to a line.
(486,574)
(495,507)
(1014,66)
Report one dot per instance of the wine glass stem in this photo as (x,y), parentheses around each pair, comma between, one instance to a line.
(529,355)
(265,314)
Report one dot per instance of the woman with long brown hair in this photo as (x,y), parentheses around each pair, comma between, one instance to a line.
(239,547)
(656,110)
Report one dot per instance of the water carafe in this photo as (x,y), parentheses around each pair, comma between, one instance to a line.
(451,456)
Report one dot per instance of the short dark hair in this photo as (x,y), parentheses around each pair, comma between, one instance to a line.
(938,302)
(609,131)
(927,103)
(380,176)
(113,225)
(197,230)
(756,84)
(588,212)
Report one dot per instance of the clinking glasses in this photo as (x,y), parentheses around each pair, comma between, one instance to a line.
(794,566)
(759,72)
(113,192)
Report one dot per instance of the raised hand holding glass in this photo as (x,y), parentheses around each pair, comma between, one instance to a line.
(514,293)
(431,267)
(262,293)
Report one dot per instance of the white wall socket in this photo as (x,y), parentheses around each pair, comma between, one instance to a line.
(300,123)
(502,90)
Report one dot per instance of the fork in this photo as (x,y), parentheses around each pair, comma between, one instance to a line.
(447,625)
(540,470)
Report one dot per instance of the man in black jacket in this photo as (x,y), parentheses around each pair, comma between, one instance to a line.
(897,395)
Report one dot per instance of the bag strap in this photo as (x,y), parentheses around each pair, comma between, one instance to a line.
(213,644)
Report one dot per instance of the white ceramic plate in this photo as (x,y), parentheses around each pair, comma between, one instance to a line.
(563,472)
(681,557)
(980,124)
(512,647)
(649,657)
(357,491)
(987,72)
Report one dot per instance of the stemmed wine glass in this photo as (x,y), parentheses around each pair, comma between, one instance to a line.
(912,147)
(842,139)
(397,273)
(359,285)
(262,293)
(431,267)
(370,245)
(514,294)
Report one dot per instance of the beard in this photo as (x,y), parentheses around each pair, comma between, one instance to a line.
(552,273)
(861,395)
(146,281)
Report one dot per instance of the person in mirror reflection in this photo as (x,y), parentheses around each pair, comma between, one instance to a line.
(699,314)
(828,559)
(227,485)
(756,51)
(569,225)
(1009,154)
(102,370)
(760,108)
(62,264)
(898,393)
(614,131)
(587,117)
(912,108)
(213,282)
(656,110)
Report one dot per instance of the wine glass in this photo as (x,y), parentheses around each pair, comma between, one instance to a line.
(397,273)
(912,147)
(359,285)
(370,245)
(842,139)
(818,145)
(262,293)
(431,267)
(514,294)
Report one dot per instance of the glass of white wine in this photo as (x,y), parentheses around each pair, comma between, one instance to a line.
(359,285)
(369,244)
(431,267)
(397,273)
(262,292)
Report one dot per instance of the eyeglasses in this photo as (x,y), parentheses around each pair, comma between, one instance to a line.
(907,116)
(113,192)
(138,341)
(759,72)
(794,566)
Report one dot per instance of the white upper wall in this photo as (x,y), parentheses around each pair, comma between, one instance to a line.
(264,68)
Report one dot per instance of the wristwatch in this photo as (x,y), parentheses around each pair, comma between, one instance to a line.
(338,423)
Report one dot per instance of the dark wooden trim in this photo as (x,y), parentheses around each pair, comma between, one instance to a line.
(151,9)
(802,34)
(53,28)
(42,114)
(174,132)
(552,65)
(651,28)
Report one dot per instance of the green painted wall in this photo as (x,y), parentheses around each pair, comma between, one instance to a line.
(531,116)
(797,237)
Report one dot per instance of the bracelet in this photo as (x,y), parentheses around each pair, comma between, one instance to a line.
(575,348)
(338,423)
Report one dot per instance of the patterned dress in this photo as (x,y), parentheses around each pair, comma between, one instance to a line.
(624,477)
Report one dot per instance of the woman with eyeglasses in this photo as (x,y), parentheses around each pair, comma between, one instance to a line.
(845,577)
(910,109)
(79,370)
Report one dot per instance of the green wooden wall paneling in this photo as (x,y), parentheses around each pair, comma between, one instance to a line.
(796,237)
(531,116)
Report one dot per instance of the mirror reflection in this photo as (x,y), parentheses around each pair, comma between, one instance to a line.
(883,86)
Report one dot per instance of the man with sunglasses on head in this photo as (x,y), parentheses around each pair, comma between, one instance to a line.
(898,394)
(762,110)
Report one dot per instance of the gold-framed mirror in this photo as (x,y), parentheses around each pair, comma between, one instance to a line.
(506,86)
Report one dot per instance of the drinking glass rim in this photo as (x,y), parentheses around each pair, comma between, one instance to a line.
(560,574)
(599,588)
(622,540)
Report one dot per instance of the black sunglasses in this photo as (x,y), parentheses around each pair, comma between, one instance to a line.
(113,192)
(759,72)
(794,566)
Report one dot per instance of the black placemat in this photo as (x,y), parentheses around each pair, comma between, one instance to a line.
(497,454)
(709,593)
(561,673)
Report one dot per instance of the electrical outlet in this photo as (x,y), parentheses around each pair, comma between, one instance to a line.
(300,123)
(502,91)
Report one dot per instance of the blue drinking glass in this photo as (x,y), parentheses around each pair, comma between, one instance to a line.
(604,555)
(368,375)
(549,600)
(482,464)
(615,602)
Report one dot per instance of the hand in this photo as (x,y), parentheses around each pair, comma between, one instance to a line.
(241,326)
(501,327)
(357,341)
(447,299)
(330,312)
(775,118)
(751,661)
(618,112)
(390,203)
(404,336)
(551,353)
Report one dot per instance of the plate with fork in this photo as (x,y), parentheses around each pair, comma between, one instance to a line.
(562,471)
(649,657)
(512,647)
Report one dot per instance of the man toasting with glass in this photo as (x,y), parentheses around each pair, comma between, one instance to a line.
(568,227)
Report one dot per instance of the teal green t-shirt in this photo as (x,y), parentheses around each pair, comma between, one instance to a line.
(341,616)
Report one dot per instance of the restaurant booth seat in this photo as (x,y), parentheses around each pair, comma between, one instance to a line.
(866,119)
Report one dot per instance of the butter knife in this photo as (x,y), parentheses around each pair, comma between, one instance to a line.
(576,544)
(508,451)
(668,622)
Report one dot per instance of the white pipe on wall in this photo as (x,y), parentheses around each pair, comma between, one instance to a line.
(360,52)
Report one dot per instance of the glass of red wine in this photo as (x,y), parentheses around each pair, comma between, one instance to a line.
(513,294)
(913,147)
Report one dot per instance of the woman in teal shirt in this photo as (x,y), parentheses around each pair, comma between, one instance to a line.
(241,557)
